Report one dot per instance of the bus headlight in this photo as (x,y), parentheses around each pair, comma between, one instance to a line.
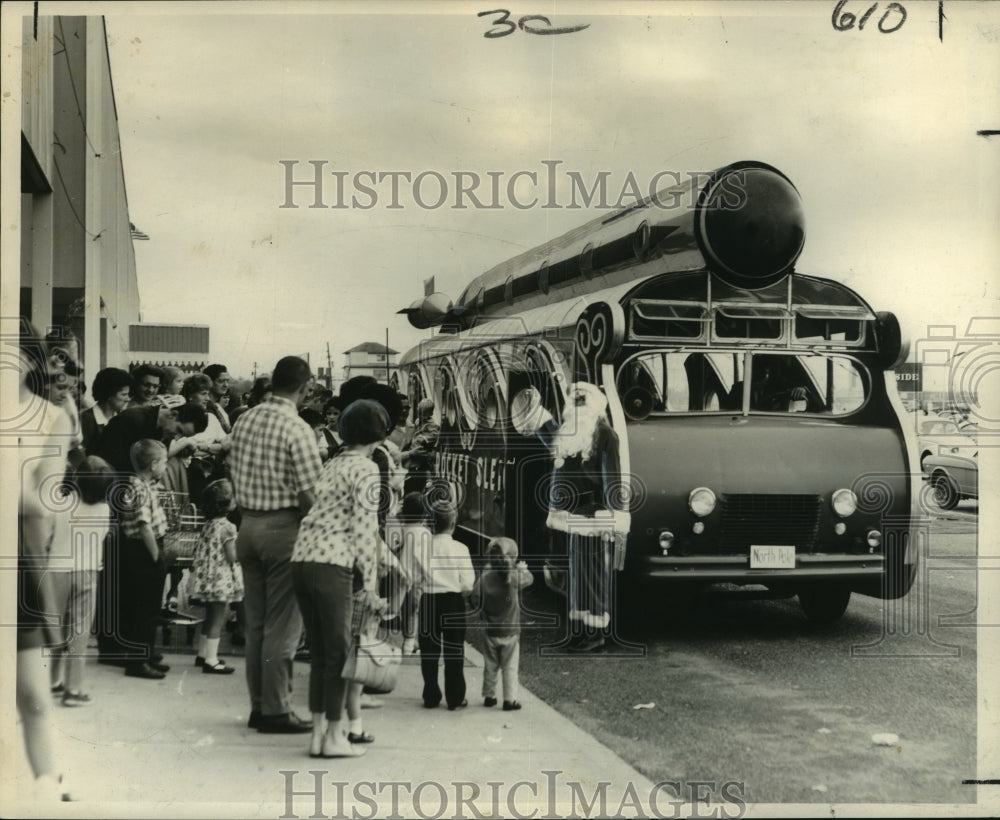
(701,501)
(874,539)
(844,503)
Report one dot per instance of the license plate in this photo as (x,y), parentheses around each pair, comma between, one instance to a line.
(763,556)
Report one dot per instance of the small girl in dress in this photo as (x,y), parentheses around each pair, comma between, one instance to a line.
(216,578)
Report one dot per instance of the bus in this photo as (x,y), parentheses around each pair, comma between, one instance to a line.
(762,439)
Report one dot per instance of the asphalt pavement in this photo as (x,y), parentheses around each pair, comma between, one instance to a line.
(181,747)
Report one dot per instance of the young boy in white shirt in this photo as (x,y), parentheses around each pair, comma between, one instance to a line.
(444,574)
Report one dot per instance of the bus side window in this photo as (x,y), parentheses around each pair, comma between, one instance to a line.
(705,389)
(733,400)
(639,376)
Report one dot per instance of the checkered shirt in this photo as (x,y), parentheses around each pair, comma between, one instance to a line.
(274,456)
(140,504)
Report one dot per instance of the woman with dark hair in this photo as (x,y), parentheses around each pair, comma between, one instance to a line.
(146,384)
(260,390)
(331,425)
(336,538)
(111,390)
(211,445)
(315,421)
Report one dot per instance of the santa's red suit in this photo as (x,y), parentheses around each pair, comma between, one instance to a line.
(588,515)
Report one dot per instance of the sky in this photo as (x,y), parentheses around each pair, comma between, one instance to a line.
(876,130)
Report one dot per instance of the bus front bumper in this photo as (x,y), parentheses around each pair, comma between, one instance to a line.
(736,569)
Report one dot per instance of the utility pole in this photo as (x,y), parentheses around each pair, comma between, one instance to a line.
(329,367)
(255,371)
(388,379)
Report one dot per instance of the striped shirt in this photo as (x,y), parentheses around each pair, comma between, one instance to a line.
(140,505)
(273,457)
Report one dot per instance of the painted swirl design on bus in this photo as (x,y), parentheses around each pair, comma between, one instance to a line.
(598,338)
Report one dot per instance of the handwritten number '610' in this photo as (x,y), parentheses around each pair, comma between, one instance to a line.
(526,24)
(844,20)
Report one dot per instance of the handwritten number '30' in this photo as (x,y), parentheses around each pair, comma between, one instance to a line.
(525,24)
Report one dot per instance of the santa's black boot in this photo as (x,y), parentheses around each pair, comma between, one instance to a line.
(593,641)
(576,634)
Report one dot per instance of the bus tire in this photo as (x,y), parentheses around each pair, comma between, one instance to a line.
(824,605)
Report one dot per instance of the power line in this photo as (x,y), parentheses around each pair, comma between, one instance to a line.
(69,71)
(69,200)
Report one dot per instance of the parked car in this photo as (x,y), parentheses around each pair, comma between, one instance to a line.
(953,476)
(938,436)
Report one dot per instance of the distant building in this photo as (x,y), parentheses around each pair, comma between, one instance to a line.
(371,359)
(181,346)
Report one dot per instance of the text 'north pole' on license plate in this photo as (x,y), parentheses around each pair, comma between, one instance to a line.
(767,556)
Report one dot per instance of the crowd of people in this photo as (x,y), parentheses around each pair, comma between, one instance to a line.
(313,516)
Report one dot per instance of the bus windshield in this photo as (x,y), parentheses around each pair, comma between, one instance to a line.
(661,382)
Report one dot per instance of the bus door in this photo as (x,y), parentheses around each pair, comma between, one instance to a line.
(530,464)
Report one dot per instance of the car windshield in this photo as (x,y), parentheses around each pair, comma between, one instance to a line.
(937,428)
(684,381)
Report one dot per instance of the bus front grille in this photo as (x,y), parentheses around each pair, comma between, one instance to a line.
(769,519)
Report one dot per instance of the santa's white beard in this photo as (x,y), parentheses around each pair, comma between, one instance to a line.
(575,436)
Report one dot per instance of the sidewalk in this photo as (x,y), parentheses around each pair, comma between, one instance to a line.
(180,747)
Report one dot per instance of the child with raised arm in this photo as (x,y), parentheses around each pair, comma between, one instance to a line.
(497,595)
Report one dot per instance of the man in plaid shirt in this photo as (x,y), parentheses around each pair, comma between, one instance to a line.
(275,465)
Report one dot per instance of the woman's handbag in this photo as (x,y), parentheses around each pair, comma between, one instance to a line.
(374,662)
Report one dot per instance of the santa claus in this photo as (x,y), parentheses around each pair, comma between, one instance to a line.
(588,516)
